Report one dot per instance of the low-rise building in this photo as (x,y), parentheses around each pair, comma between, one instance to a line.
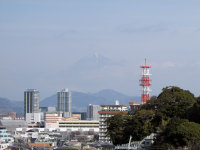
(32,117)
(83,115)
(84,125)
(51,120)
(11,125)
(5,136)
(134,106)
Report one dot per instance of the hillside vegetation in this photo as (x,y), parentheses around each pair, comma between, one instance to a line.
(173,115)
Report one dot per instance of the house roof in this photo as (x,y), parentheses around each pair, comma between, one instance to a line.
(40,144)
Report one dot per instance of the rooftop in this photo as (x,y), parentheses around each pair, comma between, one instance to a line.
(114,105)
(112,112)
(134,103)
(40,144)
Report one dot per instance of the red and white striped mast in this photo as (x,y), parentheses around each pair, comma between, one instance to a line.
(145,82)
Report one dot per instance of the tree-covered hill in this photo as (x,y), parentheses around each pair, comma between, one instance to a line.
(173,115)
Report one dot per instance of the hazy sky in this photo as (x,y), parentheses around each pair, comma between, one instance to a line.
(41,39)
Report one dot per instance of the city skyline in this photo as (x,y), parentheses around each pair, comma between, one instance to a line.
(42,43)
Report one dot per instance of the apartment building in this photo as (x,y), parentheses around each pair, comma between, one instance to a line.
(108,111)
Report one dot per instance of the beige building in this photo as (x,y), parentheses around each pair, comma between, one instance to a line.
(51,120)
(84,125)
(134,106)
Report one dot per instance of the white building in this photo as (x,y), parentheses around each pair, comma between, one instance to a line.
(64,102)
(108,111)
(33,117)
(31,101)
(54,121)
(92,112)
(84,125)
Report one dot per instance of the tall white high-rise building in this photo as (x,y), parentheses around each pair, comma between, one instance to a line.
(31,101)
(31,105)
(92,112)
(64,102)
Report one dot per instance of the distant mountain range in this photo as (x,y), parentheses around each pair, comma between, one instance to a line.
(7,105)
(80,101)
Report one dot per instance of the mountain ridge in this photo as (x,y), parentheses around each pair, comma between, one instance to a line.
(8,105)
(80,101)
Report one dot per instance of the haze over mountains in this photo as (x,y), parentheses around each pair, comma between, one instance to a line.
(80,101)
(89,73)
(89,63)
(56,45)
(95,72)
(7,105)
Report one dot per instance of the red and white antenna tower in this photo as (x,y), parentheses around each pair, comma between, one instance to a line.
(145,82)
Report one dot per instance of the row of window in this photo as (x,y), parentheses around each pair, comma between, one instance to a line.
(78,123)
(77,127)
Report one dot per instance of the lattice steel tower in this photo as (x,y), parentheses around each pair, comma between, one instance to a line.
(145,82)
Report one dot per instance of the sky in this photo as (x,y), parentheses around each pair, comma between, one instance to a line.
(42,41)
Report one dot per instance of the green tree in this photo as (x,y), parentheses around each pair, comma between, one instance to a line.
(116,126)
(121,126)
(139,126)
(171,102)
(179,133)
(174,101)
(167,113)
(194,112)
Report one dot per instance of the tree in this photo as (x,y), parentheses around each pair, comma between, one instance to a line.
(194,112)
(179,133)
(166,113)
(115,128)
(140,129)
(121,126)
(172,101)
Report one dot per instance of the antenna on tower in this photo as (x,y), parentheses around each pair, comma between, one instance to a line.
(145,82)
